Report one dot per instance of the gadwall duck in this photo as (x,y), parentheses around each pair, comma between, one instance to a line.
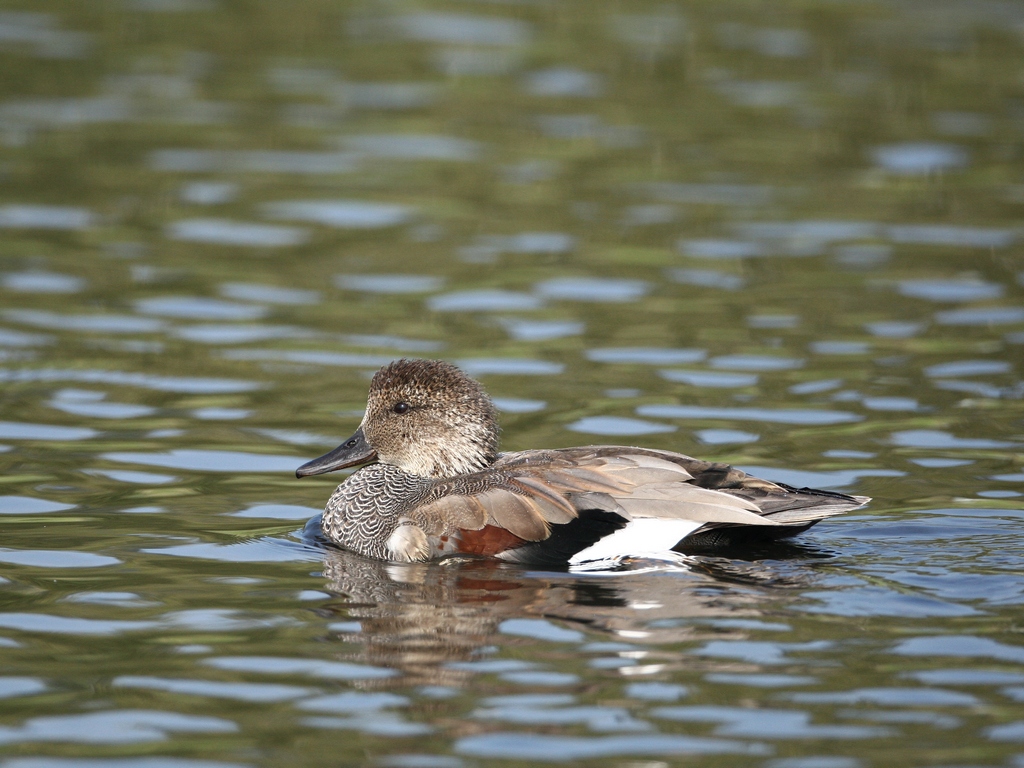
(440,487)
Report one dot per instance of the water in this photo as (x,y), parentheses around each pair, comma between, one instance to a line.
(786,237)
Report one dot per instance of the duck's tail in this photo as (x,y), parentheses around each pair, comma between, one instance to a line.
(795,511)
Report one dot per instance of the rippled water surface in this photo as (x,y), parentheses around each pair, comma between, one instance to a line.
(786,235)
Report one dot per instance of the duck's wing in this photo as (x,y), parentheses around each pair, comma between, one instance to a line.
(636,483)
(492,510)
(528,492)
(584,494)
(662,485)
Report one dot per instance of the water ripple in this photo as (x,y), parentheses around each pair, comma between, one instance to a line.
(199,308)
(645,355)
(706,278)
(593,289)
(11,687)
(779,416)
(551,748)
(486,248)
(889,697)
(45,217)
(541,330)
(596,718)
(809,479)
(309,357)
(100,410)
(725,436)
(518,405)
(484,301)
(283,665)
(16,430)
(390,283)
(55,558)
(267,550)
(62,625)
(453,28)
(354,702)
(919,158)
(947,234)
(278,512)
(398,343)
(935,438)
(269,294)
(742,362)
(709,194)
(119,726)
(237,691)
(414,146)
(240,233)
(342,214)
(950,290)
(767,723)
(709,378)
(214,333)
(960,646)
(26,505)
(563,81)
(509,366)
(183,384)
(198,460)
(9,338)
(38,281)
(96,323)
(618,425)
(251,161)
(956,368)
(721,249)
(118,762)
(981,316)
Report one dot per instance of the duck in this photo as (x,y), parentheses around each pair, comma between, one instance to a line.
(433,484)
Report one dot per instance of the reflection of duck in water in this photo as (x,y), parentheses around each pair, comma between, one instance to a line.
(441,622)
(440,487)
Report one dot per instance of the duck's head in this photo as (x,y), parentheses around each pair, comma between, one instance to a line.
(424,416)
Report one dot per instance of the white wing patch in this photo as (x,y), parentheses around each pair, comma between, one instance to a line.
(643,536)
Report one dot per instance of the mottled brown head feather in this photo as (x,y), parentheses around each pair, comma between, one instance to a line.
(430,419)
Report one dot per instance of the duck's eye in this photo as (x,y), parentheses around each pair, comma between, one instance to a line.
(401,408)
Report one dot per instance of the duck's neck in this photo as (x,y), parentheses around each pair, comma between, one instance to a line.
(442,461)
(446,454)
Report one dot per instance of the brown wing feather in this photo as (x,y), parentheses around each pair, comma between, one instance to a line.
(699,511)
(516,500)
(580,480)
(640,469)
(449,514)
(522,504)
(644,482)
(601,501)
(554,505)
(519,515)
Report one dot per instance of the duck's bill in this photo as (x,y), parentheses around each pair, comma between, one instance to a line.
(353,451)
